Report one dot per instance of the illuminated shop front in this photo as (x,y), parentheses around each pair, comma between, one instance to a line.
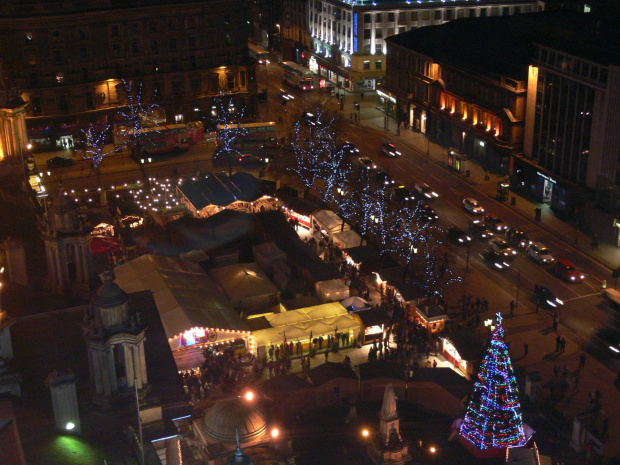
(300,210)
(463,349)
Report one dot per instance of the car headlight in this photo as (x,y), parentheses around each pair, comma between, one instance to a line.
(551,303)
(583,276)
(514,252)
(572,278)
(559,301)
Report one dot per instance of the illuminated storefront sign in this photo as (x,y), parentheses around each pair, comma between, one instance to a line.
(546,177)
(355,18)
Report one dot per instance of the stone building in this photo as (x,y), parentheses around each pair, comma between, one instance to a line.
(69,58)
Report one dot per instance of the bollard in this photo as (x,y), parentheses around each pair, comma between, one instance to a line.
(604,285)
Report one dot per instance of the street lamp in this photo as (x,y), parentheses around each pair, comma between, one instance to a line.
(279,37)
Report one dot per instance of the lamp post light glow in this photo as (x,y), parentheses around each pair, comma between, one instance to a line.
(249,396)
(275,432)
(432,449)
(365,433)
(69,426)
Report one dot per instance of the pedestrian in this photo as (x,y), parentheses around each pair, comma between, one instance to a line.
(435,363)
(362,95)
(526,348)
(485,304)
(563,345)
(558,343)
(582,360)
(355,116)
(512,307)
(595,241)
(556,320)
(326,355)
(556,371)
(351,116)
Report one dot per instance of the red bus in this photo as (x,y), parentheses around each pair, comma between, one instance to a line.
(253,135)
(161,139)
(196,131)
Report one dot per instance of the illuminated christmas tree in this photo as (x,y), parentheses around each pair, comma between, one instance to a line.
(493,419)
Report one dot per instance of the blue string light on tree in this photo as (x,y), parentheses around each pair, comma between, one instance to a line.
(493,419)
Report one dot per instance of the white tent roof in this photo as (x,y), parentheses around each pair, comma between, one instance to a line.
(243,280)
(299,324)
(347,239)
(185,295)
(329,220)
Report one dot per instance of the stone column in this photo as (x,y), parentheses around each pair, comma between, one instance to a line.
(64,400)
(61,265)
(51,266)
(77,256)
(142,362)
(105,374)
(86,261)
(129,365)
(112,369)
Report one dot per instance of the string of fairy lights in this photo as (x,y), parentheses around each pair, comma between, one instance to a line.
(493,418)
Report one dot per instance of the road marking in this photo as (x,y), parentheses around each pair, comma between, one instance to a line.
(581,297)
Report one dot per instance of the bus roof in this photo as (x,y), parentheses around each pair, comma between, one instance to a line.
(248,125)
(294,66)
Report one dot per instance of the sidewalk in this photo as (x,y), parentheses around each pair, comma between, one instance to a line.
(597,221)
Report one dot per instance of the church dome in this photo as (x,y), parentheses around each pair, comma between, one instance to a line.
(226,417)
(109,293)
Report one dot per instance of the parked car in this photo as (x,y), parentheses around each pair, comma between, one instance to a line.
(479,230)
(568,271)
(389,150)
(250,160)
(367,164)
(495,259)
(503,247)
(350,149)
(311,119)
(59,162)
(402,196)
(518,238)
(495,224)
(426,191)
(544,297)
(272,144)
(427,213)
(472,206)
(540,253)
(458,236)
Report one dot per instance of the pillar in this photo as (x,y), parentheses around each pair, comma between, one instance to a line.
(105,375)
(129,365)
(142,362)
(112,369)
(64,400)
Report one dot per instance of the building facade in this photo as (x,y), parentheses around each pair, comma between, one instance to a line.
(475,108)
(348,44)
(69,59)
(572,140)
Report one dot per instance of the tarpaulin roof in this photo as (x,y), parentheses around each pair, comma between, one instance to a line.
(330,221)
(243,280)
(318,320)
(185,295)
(221,190)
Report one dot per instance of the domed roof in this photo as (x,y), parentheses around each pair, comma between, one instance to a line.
(229,416)
(109,293)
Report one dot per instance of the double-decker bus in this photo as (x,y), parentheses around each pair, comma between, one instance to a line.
(252,135)
(159,139)
(297,76)
(258,53)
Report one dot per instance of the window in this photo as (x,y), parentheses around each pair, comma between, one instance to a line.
(414,16)
(483,12)
(437,15)
(367,49)
(379,18)
(447,15)
(154,46)
(34,80)
(90,101)
(390,31)
(366,64)
(379,33)
(172,26)
(242,73)
(192,61)
(191,42)
(135,29)
(83,54)
(366,33)
(379,48)
(426,15)
(82,34)
(402,29)
(152,26)
(231,82)
(173,44)
(378,64)
(57,56)
(176,88)
(114,30)
(195,84)
(390,17)
(135,46)
(506,11)
(85,75)
(191,22)
(366,18)
(116,50)
(472,12)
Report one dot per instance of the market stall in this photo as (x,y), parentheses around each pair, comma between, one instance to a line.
(373,323)
(464,350)
(331,290)
(299,210)
(347,239)
(432,317)
(326,223)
